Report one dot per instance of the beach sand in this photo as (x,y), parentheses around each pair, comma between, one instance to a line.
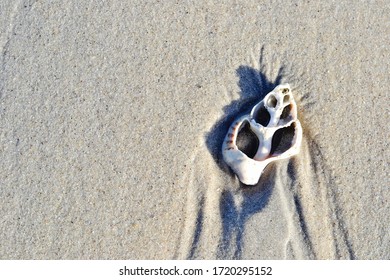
(112,117)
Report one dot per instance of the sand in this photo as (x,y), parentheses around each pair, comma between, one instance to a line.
(112,116)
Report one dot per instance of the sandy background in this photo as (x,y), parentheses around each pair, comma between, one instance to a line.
(112,117)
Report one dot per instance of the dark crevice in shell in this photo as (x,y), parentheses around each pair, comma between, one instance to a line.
(286,112)
(282,139)
(247,141)
(272,101)
(261,115)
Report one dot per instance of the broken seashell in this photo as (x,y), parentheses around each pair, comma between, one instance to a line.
(270,132)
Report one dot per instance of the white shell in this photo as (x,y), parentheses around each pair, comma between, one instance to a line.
(282,111)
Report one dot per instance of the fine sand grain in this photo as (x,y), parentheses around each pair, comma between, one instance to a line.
(113,113)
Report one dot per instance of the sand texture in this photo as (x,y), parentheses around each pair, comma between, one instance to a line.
(113,113)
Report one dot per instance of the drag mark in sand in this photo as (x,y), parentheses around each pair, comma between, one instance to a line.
(218,209)
(201,226)
(16,13)
(310,191)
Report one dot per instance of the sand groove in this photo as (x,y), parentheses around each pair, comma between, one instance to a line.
(217,211)
(201,226)
(316,220)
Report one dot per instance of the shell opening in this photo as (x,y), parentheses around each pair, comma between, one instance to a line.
(247,141)
(261,115)
(282,139)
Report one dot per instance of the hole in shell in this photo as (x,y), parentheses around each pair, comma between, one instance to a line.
(282,139)
(285,90)
(247,141)
(272,101)
(286,112)
(262,115)
(286,99)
